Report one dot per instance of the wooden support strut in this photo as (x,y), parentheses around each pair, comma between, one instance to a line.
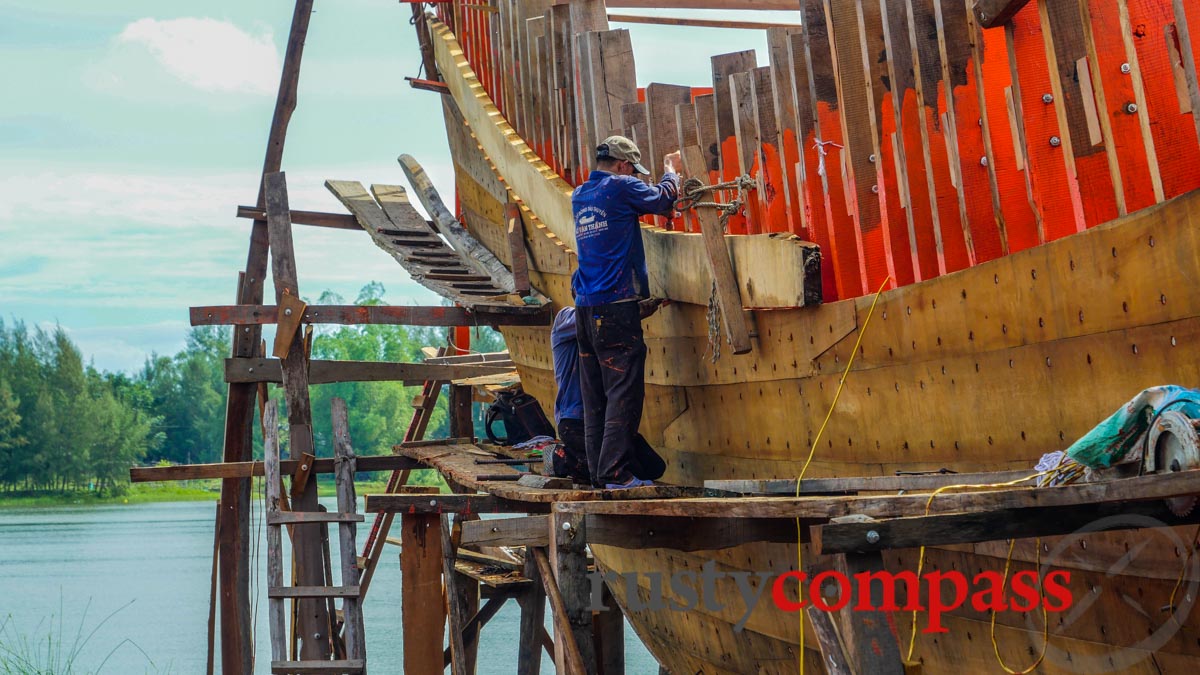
(720,266)
(350,315)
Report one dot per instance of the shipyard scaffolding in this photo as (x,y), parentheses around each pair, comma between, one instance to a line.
(458,570)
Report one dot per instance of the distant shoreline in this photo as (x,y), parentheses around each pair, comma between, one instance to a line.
(148,493)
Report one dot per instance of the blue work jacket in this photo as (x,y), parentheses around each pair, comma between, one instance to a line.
(612,261)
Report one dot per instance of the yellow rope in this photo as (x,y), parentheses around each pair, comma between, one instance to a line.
(813,451)
(912,641)
(1182,572)
(1045,620)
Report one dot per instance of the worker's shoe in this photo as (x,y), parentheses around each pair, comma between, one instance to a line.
(634,482)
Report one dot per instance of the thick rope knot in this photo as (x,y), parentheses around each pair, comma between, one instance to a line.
(694,188)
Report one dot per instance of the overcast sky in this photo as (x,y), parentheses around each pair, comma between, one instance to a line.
(130,130)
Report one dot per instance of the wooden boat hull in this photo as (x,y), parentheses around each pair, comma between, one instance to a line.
(982,369)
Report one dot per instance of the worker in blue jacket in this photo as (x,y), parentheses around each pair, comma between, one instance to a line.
(608,286)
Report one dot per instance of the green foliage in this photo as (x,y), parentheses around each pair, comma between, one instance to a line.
(66,427)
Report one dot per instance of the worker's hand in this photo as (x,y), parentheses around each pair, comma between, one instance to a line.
(672,162)
(648,307)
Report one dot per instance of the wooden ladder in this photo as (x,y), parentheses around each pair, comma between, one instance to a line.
(423,406)
(346,518)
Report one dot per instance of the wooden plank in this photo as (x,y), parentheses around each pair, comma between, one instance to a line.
(778,39)
(326,372)
(810,180)
(525,531)
(723,67)
(250,315)
(573,661)
(516,248)
(456,607)
(744,5)
(868,634)
(548,196)
(860,130)
(746,137)
(733,319)
(1066,46)
(346,464)
(347,592)
(464,504)
(274,535)
(1187,53)
(685,130)
(661,100)
(1144,488)
(686,534)
(609,628)
(970,528)
(146,474)
(337,221)
(337,666)
(787,486)
(212,598)
(828,153)
(568,558)
(772,183)
(620,81)
(314,517)
(306,542)
(533,613)
(833,654)
(695,23)
(706,134)
(992,13)
(423,613)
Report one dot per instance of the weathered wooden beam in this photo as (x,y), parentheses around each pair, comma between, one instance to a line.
(326,372)
(150,474)
(568,558)
(867,634)
(704,4)
(250,315)
(454,601)
(1142,488)
(809,486)
(516,248)
(574,663)
(533,619)
(992,13)
(685,534)
(307,552)
(345,466)
(464,504)
(729,298)
(696,23)
(609,631)
(969,528)
(524,531)
(337,221)
(427,85)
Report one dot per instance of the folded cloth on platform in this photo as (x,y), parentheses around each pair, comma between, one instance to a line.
(1111,440)
(536,446)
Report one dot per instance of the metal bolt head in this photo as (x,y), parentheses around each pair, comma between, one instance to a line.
(1131,108)
(1125,69)
(433,502)
(566,527)
(872,537)
(287,312)
(871,159)
(875,189)
(1047,98)
(983,161)
(1055,141)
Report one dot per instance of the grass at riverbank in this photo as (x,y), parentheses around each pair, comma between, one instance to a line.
(190,491)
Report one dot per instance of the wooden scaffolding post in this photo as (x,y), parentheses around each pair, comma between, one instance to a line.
(423,615)
(236,647)
(344,461)
(533,619)
(313,613)
(871,644)
(568,556)
(608,632)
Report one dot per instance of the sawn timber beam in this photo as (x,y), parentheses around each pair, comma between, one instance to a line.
(337,221)
(248,315)
(152,474)
(326,372)
(454,503)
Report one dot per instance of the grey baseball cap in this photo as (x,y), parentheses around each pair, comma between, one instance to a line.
(621,148)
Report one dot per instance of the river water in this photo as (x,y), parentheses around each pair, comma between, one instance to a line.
(138,576)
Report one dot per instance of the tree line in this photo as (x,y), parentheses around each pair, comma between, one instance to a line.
(65,425)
